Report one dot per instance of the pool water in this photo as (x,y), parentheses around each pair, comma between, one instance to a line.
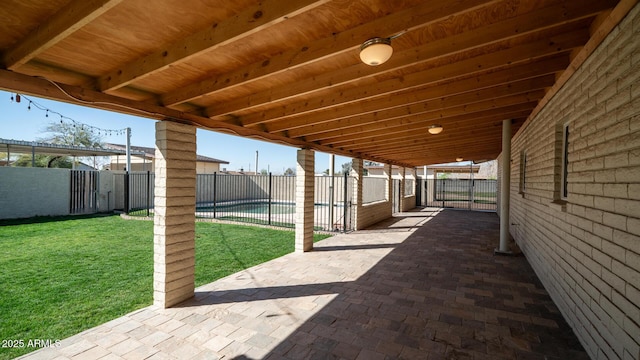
(252,208)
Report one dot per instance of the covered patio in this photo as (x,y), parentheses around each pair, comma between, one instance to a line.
(417,286)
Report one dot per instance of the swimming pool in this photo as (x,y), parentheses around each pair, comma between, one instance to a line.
(255,207)
(283,213)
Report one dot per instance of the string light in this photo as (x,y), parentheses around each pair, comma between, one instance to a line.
(76,124)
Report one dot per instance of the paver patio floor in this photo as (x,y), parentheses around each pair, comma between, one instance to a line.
(423,285)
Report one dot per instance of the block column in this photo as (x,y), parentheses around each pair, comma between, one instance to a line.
(402,173)
(305,190)
(174,214)
(387,171)
(356,173)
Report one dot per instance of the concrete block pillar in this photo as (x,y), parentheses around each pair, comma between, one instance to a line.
(402,174)
(387,171)
(357,172)
(305,190)
(174,214)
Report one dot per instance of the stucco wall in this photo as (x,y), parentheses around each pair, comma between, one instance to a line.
(587,252)
(27,192)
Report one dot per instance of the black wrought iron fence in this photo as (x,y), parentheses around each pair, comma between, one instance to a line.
(83,192)
(139,192)
(260,199)
(480,194)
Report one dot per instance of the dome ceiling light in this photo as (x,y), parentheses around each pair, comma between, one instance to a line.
(435,129)
(376,51)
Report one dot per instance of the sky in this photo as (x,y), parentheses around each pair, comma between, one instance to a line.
(19,123)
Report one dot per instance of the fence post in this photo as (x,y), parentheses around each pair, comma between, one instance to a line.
(148,191)
(344,203)
(443,192)
(126,192)
(215,194)
(269,199)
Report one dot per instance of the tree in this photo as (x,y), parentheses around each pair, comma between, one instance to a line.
(44,161)
(264,172)
(290,172)
(346,168)
(65,133)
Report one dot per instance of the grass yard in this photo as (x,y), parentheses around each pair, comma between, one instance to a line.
(60,276)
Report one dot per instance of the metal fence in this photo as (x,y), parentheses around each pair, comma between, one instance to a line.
(409,187)
(259,199)
(83,192)
(468,194)
(373,189)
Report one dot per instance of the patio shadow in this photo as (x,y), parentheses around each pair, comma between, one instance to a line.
(439,294)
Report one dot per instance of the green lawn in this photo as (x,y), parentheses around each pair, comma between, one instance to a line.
(60,276)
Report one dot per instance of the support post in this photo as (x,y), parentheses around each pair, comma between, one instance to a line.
(357,173)
(505,184)
(305,186)
(402,174)
(270,195)
(332,186)
(174,214)
(389,187)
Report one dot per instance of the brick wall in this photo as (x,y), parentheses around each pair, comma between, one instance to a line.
(370,214)
(587,250)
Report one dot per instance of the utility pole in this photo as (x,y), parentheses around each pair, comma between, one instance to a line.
(128,149)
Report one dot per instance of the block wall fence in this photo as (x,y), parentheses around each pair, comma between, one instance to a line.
(585,248)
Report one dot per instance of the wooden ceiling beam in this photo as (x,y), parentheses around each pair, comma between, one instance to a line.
(437,109)
(422,126)
(407,20)
(415,122)
(397,143)
(250,21)
(537,20)
(442,116)
(326,120)
(543,48)
(413,150)
(447,138)
(63,23)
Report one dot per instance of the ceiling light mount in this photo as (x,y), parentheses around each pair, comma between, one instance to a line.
(435,129)
(376,51)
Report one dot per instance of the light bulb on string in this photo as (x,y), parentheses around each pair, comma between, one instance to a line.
(29,107)
(47,113)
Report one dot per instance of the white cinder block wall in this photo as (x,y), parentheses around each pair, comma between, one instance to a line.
(587,252)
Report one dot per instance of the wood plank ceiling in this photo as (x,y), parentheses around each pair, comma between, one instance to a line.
(289,71)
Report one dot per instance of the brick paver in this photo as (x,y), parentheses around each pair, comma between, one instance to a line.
(423,285)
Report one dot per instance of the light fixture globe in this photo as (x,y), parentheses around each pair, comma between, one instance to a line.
(376,51)
(435,129)
(458,159)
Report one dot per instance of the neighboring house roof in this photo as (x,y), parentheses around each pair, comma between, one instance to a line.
(150,153)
